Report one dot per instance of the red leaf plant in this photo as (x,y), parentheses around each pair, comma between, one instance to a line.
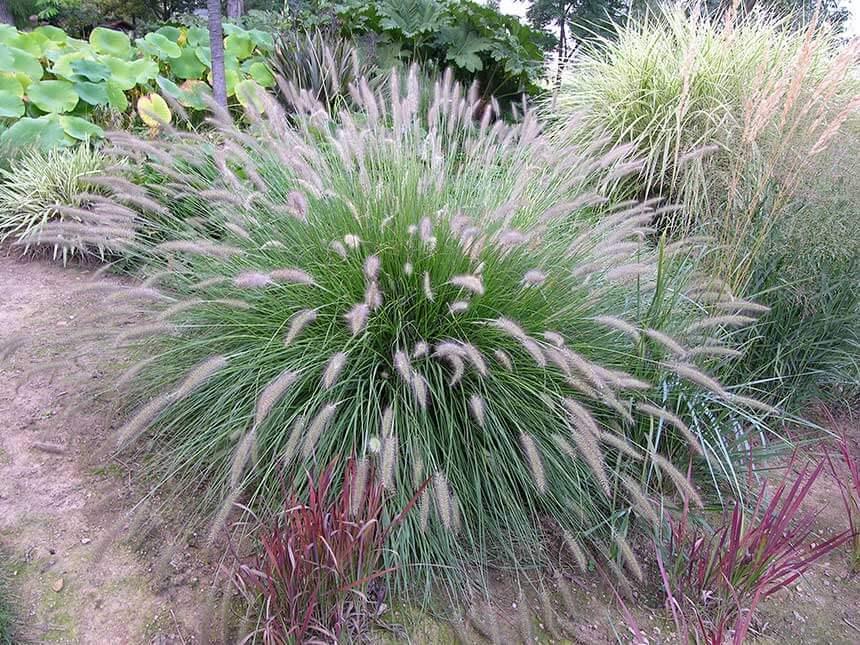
(714,582)
(850,491)
(319,575)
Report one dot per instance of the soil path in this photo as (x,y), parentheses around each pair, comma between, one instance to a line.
(70,583)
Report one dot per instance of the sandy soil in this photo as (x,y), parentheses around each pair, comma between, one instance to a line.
(72,584)
(78,577)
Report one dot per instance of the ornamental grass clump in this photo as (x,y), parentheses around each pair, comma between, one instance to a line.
(43,189)
(429,292)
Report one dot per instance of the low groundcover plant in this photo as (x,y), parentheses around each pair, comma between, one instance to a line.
(445,296)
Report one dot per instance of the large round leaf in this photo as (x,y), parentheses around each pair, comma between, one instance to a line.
(91,70)
(111,42)
(24,63)
(92,93)
(145,70)
(153,110)
(197,36)
(260,72)
(238,45)
(168,87)
(31,42)
(80,129)
(6,60)
(63,65)
(54,34)
(53,96)
(188,65)
(122,72)
(204,55)
(172,34)
(195,94)
(8,83)
(249,93)
(44,132)
(116,96)
(231,79)
(11,105)
(262,39)
(158,45)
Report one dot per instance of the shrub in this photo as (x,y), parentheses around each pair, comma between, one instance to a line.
(716,581)
(320,64)
(44,188)
(501,54)
(430,291)
(55,87)
(849,488)
(736,119)
(719,107)
(319,575)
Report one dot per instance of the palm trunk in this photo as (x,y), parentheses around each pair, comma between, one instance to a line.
(235,9)
(6,13)
(216,45)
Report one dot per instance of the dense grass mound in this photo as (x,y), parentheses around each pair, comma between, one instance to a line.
(742,120)
(42,189)
(718,105)
(433,294)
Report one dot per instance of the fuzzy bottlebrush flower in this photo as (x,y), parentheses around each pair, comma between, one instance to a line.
(519,408)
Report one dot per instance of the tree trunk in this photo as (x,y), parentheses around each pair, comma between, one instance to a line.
(561,53)
(216,45)
(235,9)
(5,13)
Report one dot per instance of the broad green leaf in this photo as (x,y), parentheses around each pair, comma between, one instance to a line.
(116,96)
(122,72)
(248,93)
(91,70)
(11,105)
(229,29)
(188,65)
(63,65)
(144,69)
(53,96)
(7,32)
(198,36)
(204,55)
(44,133)
(153,110)
(238,45)
(9,83)
(80,129)
(195,94)
(231,79)
(168,87)
(463,47)
(113,43)
(6,60)
(171,33)
(412,17)
(24,63)
(92,93)
(31,42)
(158,45)
(261,73)
(54,34)
(262,39)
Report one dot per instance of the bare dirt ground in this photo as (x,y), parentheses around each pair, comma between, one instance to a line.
(70,583)
(60,504)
